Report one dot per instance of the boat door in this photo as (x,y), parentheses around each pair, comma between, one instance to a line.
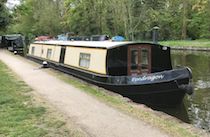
(62,55)
(139,60)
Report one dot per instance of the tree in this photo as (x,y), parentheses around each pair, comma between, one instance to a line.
(4,15)
(184,19)
(199,26)
(177,19)
(38,17)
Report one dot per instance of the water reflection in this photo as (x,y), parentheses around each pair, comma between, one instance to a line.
(197,105)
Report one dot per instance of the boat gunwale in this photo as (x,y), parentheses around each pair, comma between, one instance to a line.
(112,78)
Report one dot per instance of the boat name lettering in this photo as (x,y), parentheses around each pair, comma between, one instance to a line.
(147,78)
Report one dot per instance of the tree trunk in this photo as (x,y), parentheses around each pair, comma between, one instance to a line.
(184,20)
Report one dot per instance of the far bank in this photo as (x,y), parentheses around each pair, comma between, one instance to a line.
(195,45)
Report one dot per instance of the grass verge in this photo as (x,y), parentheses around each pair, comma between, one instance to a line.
(191,43)
(166,123)
(22,115)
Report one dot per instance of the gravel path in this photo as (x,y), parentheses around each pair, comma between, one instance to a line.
(95,118)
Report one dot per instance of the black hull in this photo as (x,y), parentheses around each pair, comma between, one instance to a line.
(168,98)
(165,93)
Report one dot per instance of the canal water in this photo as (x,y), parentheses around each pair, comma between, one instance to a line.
(196,108)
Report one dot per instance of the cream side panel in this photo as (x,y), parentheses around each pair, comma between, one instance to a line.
(37,50)
(55,56)
(44,53)
(41,51)
(98,63)
(97,60)
(30,49)
(45,48)
(56,53)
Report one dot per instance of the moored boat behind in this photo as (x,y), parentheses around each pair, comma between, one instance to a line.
(140,71)
(14,43)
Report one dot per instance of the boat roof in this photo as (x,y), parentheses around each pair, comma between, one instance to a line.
(92,44)
(13,35)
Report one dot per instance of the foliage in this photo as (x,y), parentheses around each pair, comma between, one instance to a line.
(37,17)
(134,19)
(200,23)
(4,15)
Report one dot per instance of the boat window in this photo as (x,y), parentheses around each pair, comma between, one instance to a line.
(134,59)
(144,59)
(49,53)
(84,60)
(32,50)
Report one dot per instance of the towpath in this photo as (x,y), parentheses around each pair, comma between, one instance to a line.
(92,116)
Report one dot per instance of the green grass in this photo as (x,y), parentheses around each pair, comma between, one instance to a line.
(192,43)
(164,123)
(21,115)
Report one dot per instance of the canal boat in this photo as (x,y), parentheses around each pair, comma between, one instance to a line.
(139,71)
(13,42)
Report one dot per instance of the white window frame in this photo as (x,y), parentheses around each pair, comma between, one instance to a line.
(84,60)
(49,53)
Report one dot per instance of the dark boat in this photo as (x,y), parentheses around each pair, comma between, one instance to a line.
(139,71)
(14,43)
